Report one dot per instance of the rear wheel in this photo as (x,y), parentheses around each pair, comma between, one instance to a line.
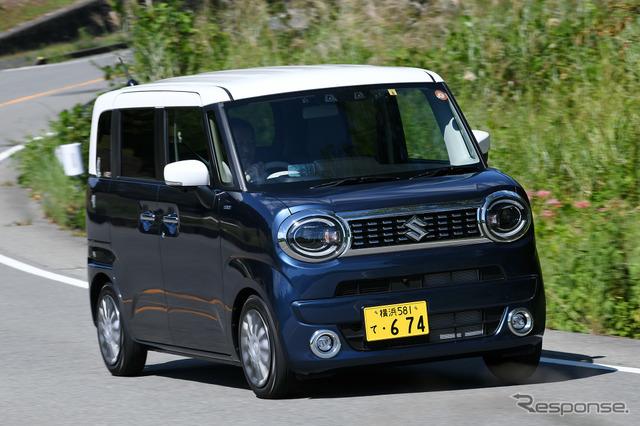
(263,360)
(122,356)
(514,366)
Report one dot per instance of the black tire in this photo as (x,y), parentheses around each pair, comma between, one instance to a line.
(514,366)
(131,356)
(280,381)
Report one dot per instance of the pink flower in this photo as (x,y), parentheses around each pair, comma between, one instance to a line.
(531,195)
(582,204)
(603,209)
(548,214)
(553,202)
(543,193)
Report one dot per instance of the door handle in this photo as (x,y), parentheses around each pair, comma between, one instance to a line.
(170,225)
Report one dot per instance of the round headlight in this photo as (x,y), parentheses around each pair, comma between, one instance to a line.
(504,216)
(313,236)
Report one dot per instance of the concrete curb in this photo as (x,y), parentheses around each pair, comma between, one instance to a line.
(60,25)
(29,238)
(83,52)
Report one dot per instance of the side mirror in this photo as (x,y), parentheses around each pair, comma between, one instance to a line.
(484,140)
(186,173)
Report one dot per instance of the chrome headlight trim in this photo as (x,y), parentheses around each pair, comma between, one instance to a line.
(296,220)
(513,199)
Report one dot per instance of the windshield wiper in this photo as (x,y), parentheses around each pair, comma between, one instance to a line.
(440,171)
(443,171)
(355,180)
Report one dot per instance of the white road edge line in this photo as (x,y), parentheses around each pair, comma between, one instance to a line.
(570,363)
(21,266)
(9,152)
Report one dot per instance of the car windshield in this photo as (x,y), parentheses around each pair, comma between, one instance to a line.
(350,135)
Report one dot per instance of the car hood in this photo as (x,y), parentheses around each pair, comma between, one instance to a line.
(379,195)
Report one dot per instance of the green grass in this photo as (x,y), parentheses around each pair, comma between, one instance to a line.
(62,196)
(555,82)
(15,12)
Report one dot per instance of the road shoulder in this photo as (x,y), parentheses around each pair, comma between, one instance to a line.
(29,237)
(590,348)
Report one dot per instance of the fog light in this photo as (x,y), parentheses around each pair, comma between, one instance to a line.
(325,344)
(520,321)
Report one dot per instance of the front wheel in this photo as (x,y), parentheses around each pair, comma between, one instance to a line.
(122,356)
(263,360)
(514,366)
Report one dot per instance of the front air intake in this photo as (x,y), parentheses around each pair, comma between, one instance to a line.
(414,228)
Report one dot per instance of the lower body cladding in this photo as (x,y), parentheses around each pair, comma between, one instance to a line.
(462,320)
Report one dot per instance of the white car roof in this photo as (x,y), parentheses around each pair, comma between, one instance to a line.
(220,86)
(254,82)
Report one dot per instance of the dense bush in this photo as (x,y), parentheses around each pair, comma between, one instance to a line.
(554,81)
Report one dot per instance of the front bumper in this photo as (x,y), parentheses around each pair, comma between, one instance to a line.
(337,312)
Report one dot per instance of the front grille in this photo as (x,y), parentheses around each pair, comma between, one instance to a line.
(433,226)
(443,327)
(412,282)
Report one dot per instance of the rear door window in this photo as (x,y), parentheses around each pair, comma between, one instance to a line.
(137,156)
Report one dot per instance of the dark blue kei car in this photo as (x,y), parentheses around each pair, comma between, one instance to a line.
(299,220)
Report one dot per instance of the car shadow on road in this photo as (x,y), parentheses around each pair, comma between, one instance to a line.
(196,370)
(459,374)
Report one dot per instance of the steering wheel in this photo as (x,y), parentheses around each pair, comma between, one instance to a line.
(276,168)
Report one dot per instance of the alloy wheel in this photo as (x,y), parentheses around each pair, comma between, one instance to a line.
(109,329)
(255,347)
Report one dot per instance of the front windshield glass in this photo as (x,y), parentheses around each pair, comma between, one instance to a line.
(349,135)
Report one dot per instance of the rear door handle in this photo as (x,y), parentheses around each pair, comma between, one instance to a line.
(147,216)
(171,219)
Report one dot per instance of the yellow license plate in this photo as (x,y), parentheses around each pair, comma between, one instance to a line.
(396,321)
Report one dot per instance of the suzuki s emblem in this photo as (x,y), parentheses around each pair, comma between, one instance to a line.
(416,229)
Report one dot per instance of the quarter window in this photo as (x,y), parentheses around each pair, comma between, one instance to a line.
(222,160)
(138,143)
(103,146)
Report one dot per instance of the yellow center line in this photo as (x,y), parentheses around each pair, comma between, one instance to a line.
(50,92)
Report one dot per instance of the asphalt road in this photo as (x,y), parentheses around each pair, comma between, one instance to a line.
(51,371)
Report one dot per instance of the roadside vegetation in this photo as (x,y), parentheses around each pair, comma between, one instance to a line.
(16,12)
(555,82)
(62,196)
